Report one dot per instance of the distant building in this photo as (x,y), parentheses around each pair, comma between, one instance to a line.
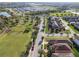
(71,18)
(5,14)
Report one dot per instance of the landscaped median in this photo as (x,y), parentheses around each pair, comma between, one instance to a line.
(46,25)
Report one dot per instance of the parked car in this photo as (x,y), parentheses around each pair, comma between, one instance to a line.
(32,48)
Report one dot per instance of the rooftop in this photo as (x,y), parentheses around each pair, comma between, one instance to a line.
(63,54)
(76,41)
(62,46)
(4,14)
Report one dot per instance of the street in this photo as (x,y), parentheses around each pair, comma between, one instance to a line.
(35,53)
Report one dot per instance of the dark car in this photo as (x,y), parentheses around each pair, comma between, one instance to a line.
(40,42)
(32,48)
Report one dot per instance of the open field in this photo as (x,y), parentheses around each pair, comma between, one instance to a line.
(14,42)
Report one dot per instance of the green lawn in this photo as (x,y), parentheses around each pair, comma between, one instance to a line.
(46,25)
(56,37)
(75,52)
(14,43)
(75,30)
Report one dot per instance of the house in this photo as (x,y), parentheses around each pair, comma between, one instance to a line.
(59,41)
(55,24)
(76,26)
(61,48)
(71,19)
(5,14)
(76,43)
(72,23)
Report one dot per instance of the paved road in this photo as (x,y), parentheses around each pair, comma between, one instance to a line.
(35,53)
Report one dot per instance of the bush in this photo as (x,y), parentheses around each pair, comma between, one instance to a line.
(45,46)
(26,31)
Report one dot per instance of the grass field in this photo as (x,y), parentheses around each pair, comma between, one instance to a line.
(14,42)
(56,37)
(61,14)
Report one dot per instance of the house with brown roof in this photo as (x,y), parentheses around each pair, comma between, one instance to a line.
(60,48)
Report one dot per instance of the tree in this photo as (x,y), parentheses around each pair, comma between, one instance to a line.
(40,52)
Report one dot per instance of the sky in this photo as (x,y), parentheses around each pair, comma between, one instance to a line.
(39,0)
